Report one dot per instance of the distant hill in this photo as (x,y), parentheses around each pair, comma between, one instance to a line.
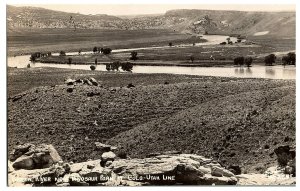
(189,21)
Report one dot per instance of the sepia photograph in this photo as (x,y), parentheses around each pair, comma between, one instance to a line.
(151,95)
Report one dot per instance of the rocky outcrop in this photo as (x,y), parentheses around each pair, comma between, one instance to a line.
(88,81)
(29,156)
(44,167)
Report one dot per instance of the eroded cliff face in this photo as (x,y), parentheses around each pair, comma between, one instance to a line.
(190,21)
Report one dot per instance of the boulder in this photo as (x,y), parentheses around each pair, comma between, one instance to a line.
(93,81)
(70,90)
(108,156)
(219,172)
(88,82)
(102,147)
(235,169)
(69,82)
(24,162)
(19,150)
(210,180)
(33,157)
(76,180)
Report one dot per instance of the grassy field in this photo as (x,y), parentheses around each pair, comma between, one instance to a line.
(55,40)
(180,56)
(236,121)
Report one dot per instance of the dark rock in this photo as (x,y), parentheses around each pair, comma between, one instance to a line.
(70,90)
(24,162)
(19,150)
(235,169)
(130,85)
(284,154)
(69,82)
(93,81)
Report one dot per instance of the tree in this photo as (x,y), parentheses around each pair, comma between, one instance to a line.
(62,53)
(32,58)
(239,61)
(248,61)
(228,40)
(289,59)
(134,56)
(79,51)
(285,60)
(270,59)
(92,67)
(96,61)
(192,58)
(292,58)
(115,66)
(69,60)
(106,51)
(170,44)
(95,49)
(194,44)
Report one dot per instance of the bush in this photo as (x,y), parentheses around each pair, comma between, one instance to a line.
(62,53)
(69,60)
(95,49)
(127,66)
(92,67)
(106,51)
(32,58)
(223,43)
(28,65)
(192,58)
(170,44)
(134,56)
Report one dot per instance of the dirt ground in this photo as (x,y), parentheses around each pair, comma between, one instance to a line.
(237,121)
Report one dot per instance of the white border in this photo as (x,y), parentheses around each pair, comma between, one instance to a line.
(3,86)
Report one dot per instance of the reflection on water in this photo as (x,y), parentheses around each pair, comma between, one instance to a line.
(272,72)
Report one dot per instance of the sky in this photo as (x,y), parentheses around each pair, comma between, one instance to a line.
(136,9)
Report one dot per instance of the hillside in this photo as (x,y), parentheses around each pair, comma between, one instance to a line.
(188,21)
(238,121)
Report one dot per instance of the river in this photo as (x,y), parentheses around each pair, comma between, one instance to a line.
(272,72)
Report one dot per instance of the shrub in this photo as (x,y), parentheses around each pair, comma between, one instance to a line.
(62,53)
(170,44)
(223,43)
(134,56)
(95,49)
(69,60)
(106,51)
(192,58)
(28,65)
(127,66)
(92,67)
